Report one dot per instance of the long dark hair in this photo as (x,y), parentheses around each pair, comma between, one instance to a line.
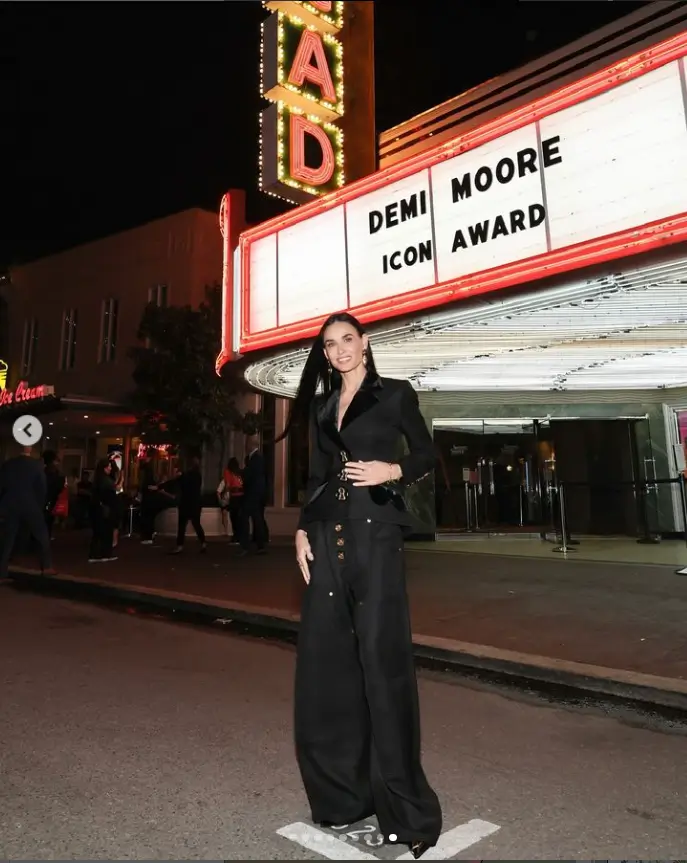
(317,372)
(100,469)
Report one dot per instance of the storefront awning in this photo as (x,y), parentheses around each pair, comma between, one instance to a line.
(70,413)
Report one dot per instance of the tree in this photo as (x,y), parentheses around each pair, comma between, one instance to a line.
(178,399)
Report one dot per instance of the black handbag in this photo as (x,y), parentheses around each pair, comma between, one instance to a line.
(416,498)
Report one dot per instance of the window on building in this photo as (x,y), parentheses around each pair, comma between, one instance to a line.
(298,464)
(29,346)
(108,331)
(158,295)
(68,340)
(268,413)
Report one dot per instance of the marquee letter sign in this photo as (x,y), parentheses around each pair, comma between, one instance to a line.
(302,75)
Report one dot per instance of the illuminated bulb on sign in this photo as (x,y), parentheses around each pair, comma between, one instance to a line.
(306,73)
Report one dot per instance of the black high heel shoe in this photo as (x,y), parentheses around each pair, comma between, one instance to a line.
(417,849)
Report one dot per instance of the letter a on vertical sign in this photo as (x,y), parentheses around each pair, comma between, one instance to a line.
(302,75)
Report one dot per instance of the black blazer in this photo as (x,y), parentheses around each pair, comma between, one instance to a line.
(255,480)
(382,413)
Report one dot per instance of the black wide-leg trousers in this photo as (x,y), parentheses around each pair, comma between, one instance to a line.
(356,713)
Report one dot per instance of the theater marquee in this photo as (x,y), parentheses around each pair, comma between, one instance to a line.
(593,172)
(302,75)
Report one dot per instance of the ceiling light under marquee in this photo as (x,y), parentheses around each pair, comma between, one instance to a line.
(622,331)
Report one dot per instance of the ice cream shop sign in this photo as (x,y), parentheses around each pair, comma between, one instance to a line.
(23,394)
(302,75)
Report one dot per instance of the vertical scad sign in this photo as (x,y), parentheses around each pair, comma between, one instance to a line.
(302,75)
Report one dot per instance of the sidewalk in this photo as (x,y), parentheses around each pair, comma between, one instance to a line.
(615,628)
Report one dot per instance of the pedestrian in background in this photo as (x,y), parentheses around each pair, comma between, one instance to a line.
(103,514)
(190,496)
(252,513)
(23,492)
(230,496)
(149,500)
(117,476)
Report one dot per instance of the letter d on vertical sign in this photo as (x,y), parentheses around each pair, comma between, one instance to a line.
(302,75)
(320,176)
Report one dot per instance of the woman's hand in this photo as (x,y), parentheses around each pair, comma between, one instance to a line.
(372,472)
(303,554)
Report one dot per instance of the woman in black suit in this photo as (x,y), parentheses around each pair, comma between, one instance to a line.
(357,716)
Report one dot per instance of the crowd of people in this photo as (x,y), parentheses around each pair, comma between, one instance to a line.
(36,497)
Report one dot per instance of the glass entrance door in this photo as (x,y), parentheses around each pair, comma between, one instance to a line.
(508,476)
(607,467)
(490,478)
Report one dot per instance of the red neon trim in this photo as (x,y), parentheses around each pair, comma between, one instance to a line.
(226,353)
(298,170)
(433,295)
(623,244)
(232,220)
(311,47)
(567,96)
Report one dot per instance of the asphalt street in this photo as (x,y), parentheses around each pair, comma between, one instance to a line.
(126,737)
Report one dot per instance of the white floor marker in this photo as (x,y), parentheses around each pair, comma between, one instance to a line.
(325,845)
(454,841)
(322,843)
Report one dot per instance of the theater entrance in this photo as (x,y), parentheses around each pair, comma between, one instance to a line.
(489,477)
(501,475)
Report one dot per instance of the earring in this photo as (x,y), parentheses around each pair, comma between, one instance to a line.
(329,368)
(364,356)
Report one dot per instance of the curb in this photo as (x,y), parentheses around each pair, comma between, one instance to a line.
(565,679)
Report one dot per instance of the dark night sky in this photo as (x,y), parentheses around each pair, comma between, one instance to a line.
(118,113)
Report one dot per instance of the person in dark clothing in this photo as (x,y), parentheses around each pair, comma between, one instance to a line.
(55,483)
(357,718)
(23,491)
(254,496)
(190,490)
(117,477)
(150,501)
(103,514)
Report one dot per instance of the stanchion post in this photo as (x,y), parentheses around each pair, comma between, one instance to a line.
(563,547)
(468,507)
(553,502)
(564,524)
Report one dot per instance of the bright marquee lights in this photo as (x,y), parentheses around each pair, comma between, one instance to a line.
(621,331)
(325,14)
(392,248)
(302,74)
